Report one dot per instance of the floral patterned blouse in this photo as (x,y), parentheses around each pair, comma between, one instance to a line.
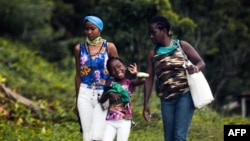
(93,67)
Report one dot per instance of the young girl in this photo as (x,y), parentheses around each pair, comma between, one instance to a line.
(118,91)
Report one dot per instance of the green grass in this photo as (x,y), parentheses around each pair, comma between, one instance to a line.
(206,126)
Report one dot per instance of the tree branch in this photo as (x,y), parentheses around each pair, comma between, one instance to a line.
(32,105)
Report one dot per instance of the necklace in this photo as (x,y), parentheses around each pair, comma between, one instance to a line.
(95,53)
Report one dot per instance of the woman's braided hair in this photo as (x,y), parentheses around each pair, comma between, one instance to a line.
(162,23)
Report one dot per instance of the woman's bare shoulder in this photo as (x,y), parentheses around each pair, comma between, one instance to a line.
(77,47)
(111,45)
(185,45)
(112,49)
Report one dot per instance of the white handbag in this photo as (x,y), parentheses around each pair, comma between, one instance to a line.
(199,87)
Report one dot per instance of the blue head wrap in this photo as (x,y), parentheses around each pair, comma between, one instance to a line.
(95,20)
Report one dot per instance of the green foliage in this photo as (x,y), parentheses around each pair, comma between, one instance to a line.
(126,26)
(32,76)
(40,24)
(207,125)
(26,19)
(187,24)
(42,131)
(222,39)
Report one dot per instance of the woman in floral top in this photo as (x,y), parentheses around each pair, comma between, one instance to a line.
(91,75)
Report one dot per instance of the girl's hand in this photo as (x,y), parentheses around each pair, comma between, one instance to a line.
(133,68)
(115,96)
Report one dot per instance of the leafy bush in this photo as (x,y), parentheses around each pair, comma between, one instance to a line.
(32,76)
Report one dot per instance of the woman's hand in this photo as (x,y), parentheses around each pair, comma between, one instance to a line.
(146,113)
(192,69)
(76,111)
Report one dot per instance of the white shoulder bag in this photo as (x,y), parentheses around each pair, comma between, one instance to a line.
(199,87)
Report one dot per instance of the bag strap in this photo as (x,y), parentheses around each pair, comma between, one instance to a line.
(180,46)
(186,60)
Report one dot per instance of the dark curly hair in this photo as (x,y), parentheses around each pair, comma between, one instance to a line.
(110,60)
(162,23)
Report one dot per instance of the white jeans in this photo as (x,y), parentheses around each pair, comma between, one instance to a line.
(121,128)
(93,118)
